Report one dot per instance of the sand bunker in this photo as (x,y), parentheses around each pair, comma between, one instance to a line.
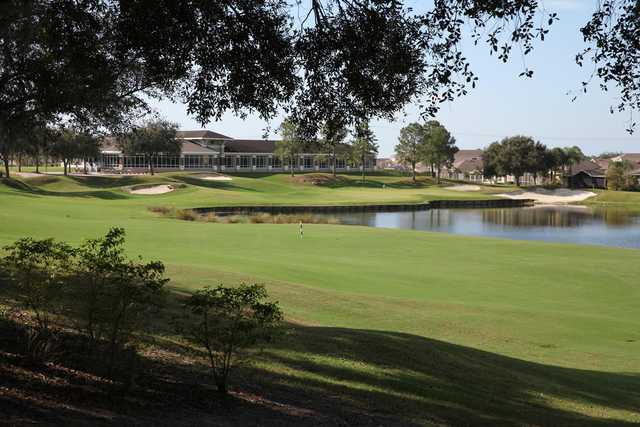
(558,196)
(465,187)
(27,174)
(156,189)
(216,178)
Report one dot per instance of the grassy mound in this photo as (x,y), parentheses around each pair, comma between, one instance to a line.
(321,179)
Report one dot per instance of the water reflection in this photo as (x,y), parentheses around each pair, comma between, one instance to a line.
(575,224)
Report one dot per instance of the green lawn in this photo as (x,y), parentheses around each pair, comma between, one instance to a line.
(616,199)
(422,327)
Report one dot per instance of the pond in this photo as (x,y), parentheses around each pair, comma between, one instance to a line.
(567,224)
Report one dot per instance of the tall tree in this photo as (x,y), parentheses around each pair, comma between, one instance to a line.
(152,139)
(291,145)
(439,146)
(410,146)
(516,153)
(333,133)
(538,160)
(363,146)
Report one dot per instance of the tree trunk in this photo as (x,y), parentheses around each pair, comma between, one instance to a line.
(84,162)
(363,165)
(517,180)
(64,165)
(19,162)
(37,158)
(438,175)
(6,166)
(413,171)
(151,165)
(333,162)
(291,166)
(221,384)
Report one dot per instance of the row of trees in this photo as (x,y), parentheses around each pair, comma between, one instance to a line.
(429,143)
(65,143)
(518,155)
(332,140)
(68,143)
(109,301)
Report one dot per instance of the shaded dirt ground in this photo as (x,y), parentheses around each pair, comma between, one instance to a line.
(321,376)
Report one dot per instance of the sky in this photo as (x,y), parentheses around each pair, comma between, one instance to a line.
(502,104)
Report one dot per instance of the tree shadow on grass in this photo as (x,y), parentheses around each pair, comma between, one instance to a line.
(105,182)
(320,376)
(24,188)
(217,185)
(357,375)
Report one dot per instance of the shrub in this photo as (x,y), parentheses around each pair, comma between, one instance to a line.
(228,323)
(39,271)
(186,215)
(211,217)
(113,295)
(162,210)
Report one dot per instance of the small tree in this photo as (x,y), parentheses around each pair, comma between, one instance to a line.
(291,145)
(228,323)
(363,146)
(112,294)
(66,145)
(410,146)
(152,139)
(439,147)
(618,178)
(88,147)
(333,134)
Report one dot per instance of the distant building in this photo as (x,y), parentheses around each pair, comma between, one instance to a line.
(467,166)
(207,150)
(587,174)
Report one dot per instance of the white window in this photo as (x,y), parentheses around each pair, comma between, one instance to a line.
(194,161)
(261,161)
(308,162)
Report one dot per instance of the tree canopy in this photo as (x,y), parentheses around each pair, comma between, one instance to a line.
(410,146)
(363,146)
(291,144)
(439,146)
(153,138)
(101,61)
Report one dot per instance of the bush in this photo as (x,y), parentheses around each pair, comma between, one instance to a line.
(39,271)
(162,210)
(93,288)
(186,215)
(114,296)
(228,323)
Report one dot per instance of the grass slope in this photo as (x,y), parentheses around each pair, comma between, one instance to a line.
(420,327)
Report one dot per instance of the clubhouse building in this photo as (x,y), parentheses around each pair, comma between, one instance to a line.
(211,151)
